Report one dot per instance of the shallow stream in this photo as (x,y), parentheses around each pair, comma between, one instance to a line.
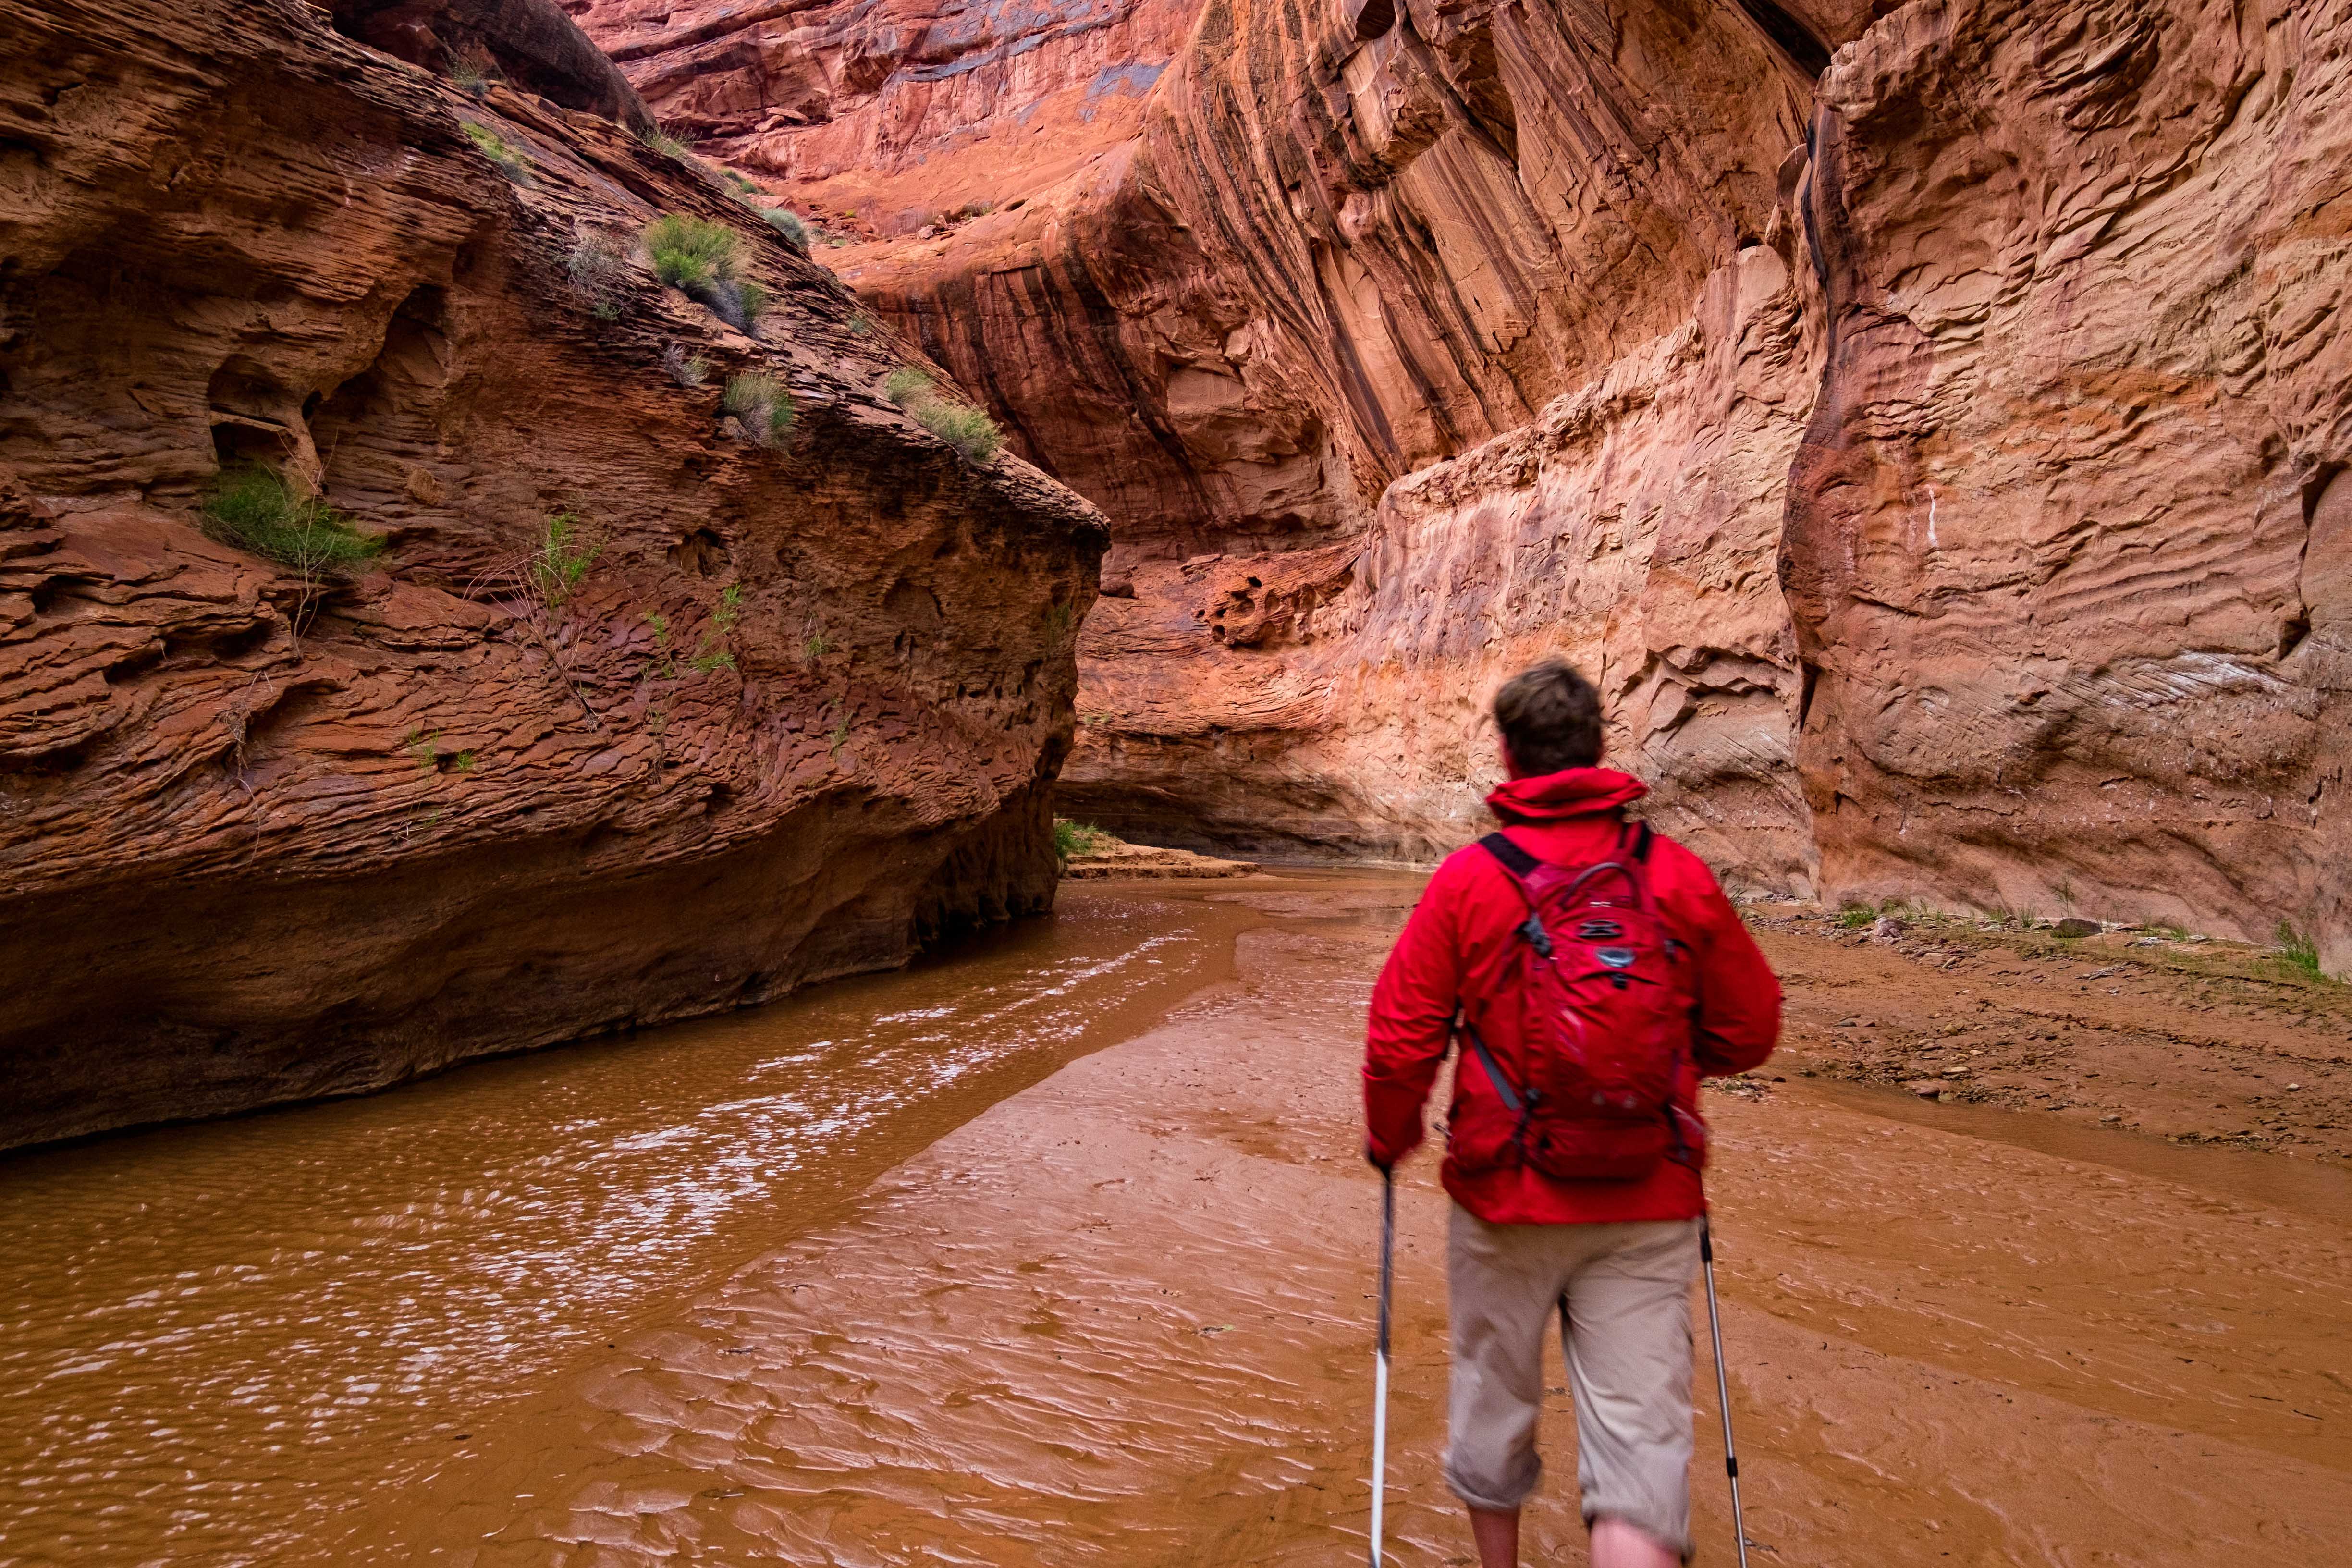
(887,1275)
(216,1338)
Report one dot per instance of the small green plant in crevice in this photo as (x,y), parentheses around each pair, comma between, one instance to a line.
(788,223)
(664,663)
(762,405)
(656,720)
(1855,916)
(839,735)
(661,142)
(816,647)
(511,162)
(703,260)
(861,325)
(2298,951)
(711,653)
(686,369)
(1073,839)
(463,763)
(422,748)
(564,554)
(967,429)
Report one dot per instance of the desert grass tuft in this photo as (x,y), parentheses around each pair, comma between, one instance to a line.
(788,223)
(595,264)
(472,70)
(511,162)
(703,260)
(967,429)
(762,404)
(659,141)
(2298,951)
(690,253)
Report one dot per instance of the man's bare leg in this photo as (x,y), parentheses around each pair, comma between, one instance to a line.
(1497,1536)
(1617,1544)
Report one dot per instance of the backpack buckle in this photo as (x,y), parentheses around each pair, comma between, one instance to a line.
(1538,938)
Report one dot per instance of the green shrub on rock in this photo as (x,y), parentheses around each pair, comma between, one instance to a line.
(261,510)
(690,253)
(703,260)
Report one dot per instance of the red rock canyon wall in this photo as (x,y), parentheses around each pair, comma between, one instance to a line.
(266,837)
(1925,419)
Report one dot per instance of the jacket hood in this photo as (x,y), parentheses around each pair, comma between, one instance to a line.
(1555,797)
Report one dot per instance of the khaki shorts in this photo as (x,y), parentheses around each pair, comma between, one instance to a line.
(1629,1363)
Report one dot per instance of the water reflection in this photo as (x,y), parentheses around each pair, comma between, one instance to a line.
(216,1335)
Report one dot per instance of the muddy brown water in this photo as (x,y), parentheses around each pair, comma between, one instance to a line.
(1057,1250)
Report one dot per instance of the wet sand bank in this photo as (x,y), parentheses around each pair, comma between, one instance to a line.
(1123,1317)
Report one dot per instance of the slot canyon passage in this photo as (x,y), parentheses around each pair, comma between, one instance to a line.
(531,524)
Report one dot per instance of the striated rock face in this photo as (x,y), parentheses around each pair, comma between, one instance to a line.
(265,835)
(2067,537)
(898,111)
(1927,421)
(529,43)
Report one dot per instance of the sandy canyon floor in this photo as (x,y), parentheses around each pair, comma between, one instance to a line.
(1122,1314)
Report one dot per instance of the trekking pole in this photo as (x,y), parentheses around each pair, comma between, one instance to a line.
(1722,1389)
(1381,1364)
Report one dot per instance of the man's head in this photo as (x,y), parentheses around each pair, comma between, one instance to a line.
(1550,717)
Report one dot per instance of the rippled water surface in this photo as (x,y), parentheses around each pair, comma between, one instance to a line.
(812,1285)
(215,1337)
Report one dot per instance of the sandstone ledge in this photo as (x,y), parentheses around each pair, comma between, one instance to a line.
(1111,856)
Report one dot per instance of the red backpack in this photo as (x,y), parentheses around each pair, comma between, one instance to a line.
(1603,997)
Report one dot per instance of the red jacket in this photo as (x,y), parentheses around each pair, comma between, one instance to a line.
(1460,940)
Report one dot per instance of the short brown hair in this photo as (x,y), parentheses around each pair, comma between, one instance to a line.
(1550,718)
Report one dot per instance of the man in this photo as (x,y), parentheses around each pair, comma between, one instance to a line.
(1553,1213)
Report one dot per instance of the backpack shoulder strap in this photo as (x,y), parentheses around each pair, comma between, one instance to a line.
(1515,860)
(1642,845)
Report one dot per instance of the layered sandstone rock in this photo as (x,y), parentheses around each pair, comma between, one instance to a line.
(1632,527)
(268,834)
(2067,538)
(1403,343)
(1319,265)
(900,113)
